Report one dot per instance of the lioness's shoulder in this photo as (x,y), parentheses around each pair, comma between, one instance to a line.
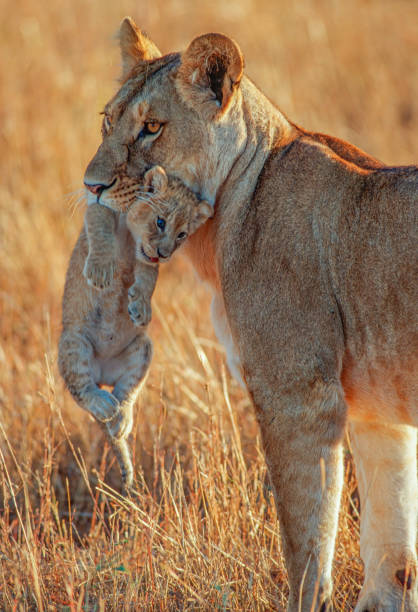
(319,146)
(347,151)
(306,161)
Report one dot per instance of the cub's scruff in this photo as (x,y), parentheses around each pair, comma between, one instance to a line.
(100,343)
(311,258)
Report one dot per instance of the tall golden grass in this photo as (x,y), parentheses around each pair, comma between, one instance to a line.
(201,533)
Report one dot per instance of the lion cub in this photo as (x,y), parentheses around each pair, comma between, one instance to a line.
(175,214)
(104,339)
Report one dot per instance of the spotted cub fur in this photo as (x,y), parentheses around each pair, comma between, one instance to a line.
(104,341)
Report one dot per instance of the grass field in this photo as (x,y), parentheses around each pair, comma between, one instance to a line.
(201,534)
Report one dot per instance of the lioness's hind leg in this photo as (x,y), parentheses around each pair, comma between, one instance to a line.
(126,372)
(302,436)
(80,371)
(386,467)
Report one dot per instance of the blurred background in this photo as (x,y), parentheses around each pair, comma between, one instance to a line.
(202,533)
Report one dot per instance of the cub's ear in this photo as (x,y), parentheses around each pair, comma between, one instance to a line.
(135,46)
(202,213)
(209,74)
(156,180)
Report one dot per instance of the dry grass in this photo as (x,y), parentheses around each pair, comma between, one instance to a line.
(201,533)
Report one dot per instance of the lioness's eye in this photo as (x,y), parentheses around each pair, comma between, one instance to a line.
(161,223)
(150,128)
(182,235)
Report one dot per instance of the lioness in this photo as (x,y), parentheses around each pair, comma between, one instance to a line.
(99,344)
(311,259)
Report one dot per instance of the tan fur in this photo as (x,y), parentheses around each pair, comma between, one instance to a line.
(201,79)
(310,257)
(99,344)
(135,46)
(182,212)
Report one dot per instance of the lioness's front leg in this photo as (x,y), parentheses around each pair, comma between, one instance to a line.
(223,333)
(302,434)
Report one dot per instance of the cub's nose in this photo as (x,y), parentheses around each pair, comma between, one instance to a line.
(162,255)
(96,189)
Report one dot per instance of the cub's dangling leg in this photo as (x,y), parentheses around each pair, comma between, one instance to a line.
(126,372)
(80,371)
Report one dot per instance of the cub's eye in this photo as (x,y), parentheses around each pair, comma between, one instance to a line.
(161,223)
(150,128)
(182,236)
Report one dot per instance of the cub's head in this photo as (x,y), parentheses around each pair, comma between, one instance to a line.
(162,220)
(182,111)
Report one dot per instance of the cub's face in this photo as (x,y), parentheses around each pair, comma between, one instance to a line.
(162,221)
(182,112)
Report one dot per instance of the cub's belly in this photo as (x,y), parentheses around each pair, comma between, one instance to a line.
(108,325)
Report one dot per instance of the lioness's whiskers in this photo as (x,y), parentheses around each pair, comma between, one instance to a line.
(74,199)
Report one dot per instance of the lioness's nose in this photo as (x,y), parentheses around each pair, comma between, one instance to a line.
(96,189)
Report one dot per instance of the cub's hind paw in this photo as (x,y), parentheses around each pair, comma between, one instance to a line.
(104,406)
(120,426)
(99,274)
(140,311)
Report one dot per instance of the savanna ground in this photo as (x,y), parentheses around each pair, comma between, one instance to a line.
(201,533)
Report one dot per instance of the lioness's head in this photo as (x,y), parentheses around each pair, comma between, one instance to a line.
(161,221)
(182,111)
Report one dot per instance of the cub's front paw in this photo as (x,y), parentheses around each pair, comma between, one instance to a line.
(139,310)
(99,274)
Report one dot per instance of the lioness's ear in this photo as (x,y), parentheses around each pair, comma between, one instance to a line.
(135,46)
(210,72)
(202,213)
(156,180)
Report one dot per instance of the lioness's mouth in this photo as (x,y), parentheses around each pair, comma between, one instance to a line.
(148,258)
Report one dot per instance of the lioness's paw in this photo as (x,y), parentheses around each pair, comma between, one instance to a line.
(99,274)
(104,406)
(140,311)
(388,600)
